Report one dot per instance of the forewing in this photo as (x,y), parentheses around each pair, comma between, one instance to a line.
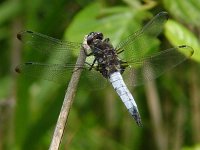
(53,72)
(151,67)
(47,45)
(137,44)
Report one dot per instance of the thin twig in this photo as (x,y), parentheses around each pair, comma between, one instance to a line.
(68,100)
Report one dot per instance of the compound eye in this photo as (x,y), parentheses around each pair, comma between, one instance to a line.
(90,38)
(99,36)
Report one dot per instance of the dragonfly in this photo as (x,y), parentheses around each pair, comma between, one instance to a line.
(107,61)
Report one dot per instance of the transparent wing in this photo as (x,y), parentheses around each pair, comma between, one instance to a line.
(48,45)
(95,80)
(53,72)
(153,66)
(61,73)
(137,45)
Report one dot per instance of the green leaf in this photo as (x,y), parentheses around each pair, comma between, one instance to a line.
(185,10)
(196,147)
(114,22)
(177,34)
(90,20)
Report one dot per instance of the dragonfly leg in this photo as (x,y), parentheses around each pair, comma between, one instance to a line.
(88,64)
(118,52)
(91,66)
(106,40)
(123,64)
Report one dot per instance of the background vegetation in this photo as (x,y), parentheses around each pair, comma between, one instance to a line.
(169,106)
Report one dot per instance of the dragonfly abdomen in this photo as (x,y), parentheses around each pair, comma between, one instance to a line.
(125,95)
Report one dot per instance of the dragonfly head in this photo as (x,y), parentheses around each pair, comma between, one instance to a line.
(94,37)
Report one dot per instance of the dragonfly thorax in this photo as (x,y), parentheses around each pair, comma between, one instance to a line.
(104,53)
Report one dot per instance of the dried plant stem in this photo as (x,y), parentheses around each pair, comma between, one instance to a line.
(195,105)
(155,112)
(68,100)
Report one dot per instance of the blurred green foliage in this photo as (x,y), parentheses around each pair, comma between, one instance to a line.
(29,108)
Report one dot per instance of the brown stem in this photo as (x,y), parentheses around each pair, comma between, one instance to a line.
(153,103)
(155,113)
(195,105)
(68,100)
(177,136)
